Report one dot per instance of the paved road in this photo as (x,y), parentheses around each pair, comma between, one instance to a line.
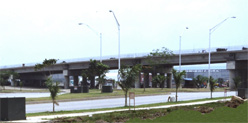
(27,95)
(118,102)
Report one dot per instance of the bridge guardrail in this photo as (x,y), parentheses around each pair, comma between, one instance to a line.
(134,55)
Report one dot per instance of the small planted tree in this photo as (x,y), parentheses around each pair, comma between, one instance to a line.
(178,77)
(101,79)
(54,90)
(127,78)
(159,79)
(237,81)
(159,56)
(101,71)
(212,82)
(97,69)
(46,63)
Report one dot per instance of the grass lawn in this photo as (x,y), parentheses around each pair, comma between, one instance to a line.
(95,93)
(183,114)
(22,91)
(220,114)
(105,109)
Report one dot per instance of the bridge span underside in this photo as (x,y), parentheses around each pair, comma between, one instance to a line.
(236,64)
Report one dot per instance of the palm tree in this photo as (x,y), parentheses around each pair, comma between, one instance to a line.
(96,69)
(54,90)
(101,80)
(159,79)
(92,72)
(127,78)
(101,71)
(212,82)
(178,77)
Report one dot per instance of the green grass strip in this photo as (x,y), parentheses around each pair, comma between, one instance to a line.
(105,109)
(96,93)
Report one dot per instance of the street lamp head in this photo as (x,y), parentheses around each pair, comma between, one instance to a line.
(187,27)
(80,23)
(110,11)
(233,17)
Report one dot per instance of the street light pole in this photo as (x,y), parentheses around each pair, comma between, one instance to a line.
(180,39)
(98,34)
(101,47)
(209,50)
(119,59)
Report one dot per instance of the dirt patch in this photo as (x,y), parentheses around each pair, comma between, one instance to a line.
(235,102)
(204,109)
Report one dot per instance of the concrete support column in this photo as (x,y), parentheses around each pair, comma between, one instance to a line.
(242,72)
(169,80)
(66,76)
(75,80)
(66,84)
(12,82)
(231,66)
(231,76)
(153,75)
(146,80)
(141,80)
(150,80)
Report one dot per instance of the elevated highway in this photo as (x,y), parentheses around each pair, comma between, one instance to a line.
(236,63)
(187,59)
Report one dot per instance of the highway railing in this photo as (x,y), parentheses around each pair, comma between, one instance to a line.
(133,55)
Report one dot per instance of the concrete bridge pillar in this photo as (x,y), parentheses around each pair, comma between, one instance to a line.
(66,76)
(169,80)
(75,80)
(12,82)
(140,80)
(146,80)
(238,69)
(66,84)
(150,80)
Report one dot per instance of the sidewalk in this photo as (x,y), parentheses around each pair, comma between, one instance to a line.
(46,118)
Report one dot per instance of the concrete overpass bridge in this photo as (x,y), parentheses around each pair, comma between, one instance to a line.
(236,63)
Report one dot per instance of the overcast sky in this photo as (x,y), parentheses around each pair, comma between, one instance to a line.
(32,30)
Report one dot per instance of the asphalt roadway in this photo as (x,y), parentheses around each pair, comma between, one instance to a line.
(119,102)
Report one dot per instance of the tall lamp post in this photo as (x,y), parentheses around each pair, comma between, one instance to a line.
(209,50)
(180,39)
(98,34)
(119,60)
